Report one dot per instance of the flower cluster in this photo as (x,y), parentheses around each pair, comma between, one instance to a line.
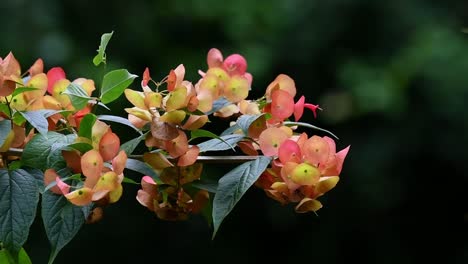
(49,129)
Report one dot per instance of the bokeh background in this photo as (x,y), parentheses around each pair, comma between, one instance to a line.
(391,76)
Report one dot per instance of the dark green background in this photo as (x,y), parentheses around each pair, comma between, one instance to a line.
(391,76)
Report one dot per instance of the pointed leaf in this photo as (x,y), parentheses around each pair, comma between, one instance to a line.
(114,83)
(5,128)
(132,144)
(45,151)
(101,56)
(119,120)
(223,143)
(86,126)
(62,221)
(232,187)
(78,96)
(143,168)
(37,120)
(20,90)
(19,196)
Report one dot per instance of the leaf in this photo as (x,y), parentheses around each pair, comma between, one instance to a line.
(128,180)
(86,126)
(206,185)
(232,187)
(62,221)
(101,56)
(18,202)
(5,257)
(78,96)
(245,121)
(223,143)
(5,128)
(20,90)
(44,151)
(23,257)
(205,133)
(4,109)
(290,123)
(218,104)
(37,120)
(132,144)
(114,83)
(119,120)
(142,168)
(81,147)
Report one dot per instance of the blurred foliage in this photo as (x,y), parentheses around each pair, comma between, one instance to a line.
(390,75)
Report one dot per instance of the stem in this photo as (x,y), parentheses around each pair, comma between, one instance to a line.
(290,123)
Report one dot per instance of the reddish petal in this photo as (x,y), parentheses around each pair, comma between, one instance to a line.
(37,67)
(235,64)
(282,104)
(73,160)
(118,163)
(214,58)
(316,150)
(248,148)
(149,185)
(178,146)
(64,188)
(109,146)
(289,151)
(92,165)
(270,140)
(146,78)
(299,108)
(80,197)
(53,75)
(195,122)
(190,157)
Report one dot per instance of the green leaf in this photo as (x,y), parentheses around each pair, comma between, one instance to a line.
(114,83)
(232,187)
(5,128)
(45,151)
(86,126)
(119,120)
(142,168)
(223,143)
(128,180)
(78,96)
(20,90)
(4,109)
(132,144)
(18,202)
(81,147)
(218,104)
(23,257)
(101,56)
(205,133)
(37,120)
(290,123)
(62,221)
(5,257)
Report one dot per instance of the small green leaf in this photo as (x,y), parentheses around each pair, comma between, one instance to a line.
(5,128)
(120,120)
(18,202)
(20,90)
(81,147)
(101,56)
(142,168)
(86,126)
(128,180)
(131,145)
(4,109)
(23,257)
(37,120)
(223,143)
(78,96)
(233,186)
(62,221)
(45,151)
(5,257)
(114,83)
